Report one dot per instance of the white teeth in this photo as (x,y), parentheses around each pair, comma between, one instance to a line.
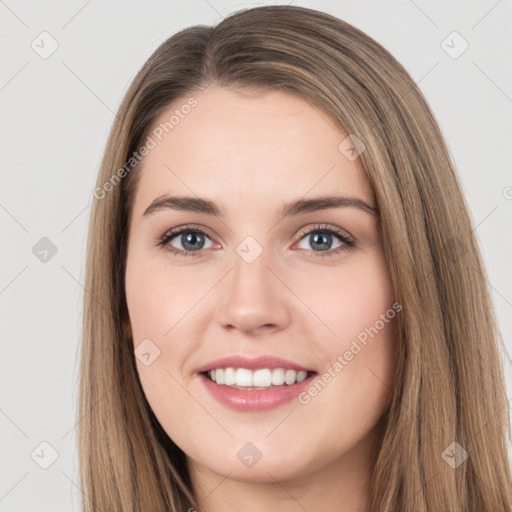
(262,378)
(243,377)
(277,376)
(290,376)
(229,376)
(301,376)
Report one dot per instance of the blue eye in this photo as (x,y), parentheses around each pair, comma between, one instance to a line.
(192,240)
(190,237)
(323,235)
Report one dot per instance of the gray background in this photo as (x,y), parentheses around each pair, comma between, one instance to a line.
(56,113)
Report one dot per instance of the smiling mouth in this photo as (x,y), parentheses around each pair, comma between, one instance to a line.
(257,380)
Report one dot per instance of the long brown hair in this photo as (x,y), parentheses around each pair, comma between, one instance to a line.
(449,386)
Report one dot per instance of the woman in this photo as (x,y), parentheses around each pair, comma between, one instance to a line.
(230,360)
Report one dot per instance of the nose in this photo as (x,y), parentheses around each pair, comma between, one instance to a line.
(253,298)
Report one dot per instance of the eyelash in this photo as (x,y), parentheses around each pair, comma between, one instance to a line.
(348,242)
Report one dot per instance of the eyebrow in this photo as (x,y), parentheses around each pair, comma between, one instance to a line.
(299,207)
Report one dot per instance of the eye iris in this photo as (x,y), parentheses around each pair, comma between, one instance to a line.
(191,238)
(193,241)
(324,238)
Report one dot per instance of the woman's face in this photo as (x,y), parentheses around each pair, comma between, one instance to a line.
(278,294)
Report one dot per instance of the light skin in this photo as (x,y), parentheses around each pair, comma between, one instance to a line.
(251,154)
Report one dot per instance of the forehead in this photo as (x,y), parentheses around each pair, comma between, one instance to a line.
(235,146)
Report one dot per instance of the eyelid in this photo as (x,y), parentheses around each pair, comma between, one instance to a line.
(327,227)
(171,233)
(164,240)
(348,241)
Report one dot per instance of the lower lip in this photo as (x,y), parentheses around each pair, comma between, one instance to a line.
(254,400)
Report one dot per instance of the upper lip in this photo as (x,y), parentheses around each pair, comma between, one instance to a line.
(265,361)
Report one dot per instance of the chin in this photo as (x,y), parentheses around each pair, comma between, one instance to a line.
(250,464)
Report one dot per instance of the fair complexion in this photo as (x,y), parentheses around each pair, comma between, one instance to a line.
(251,154)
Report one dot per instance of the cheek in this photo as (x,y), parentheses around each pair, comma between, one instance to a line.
(350,300)
(360,354)
(353,389)
(156,298)
(156,303)
(160,307)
